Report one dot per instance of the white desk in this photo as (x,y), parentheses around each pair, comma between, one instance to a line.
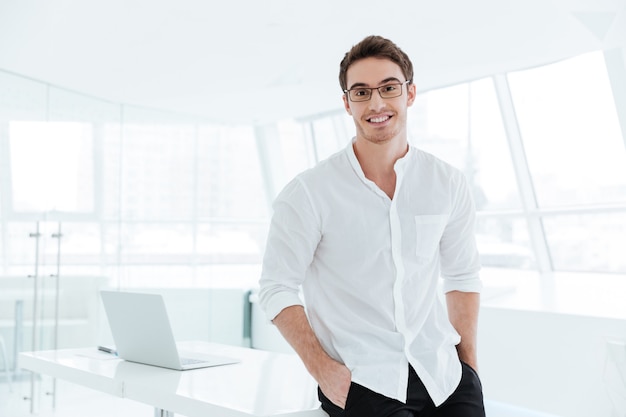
(262,384)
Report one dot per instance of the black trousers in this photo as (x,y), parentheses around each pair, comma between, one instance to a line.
(466,401)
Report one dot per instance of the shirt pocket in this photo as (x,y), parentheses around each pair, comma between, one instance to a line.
(428,231)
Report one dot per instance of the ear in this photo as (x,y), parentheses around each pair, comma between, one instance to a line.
(346,104)
(411,94)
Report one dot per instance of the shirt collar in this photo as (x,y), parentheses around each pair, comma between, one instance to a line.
(401,163)
(353,159)
(398,166)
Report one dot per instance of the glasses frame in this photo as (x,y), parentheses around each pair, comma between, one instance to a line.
(347,92)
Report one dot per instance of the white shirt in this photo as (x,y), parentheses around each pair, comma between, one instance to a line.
(369,267)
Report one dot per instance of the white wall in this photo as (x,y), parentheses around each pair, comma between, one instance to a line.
(552,362)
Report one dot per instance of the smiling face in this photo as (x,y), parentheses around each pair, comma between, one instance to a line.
(379,120)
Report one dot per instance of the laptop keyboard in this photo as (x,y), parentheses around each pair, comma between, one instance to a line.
(190,361)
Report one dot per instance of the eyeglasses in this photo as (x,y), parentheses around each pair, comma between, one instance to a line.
(385,91)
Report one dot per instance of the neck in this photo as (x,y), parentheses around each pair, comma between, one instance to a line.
(377,159)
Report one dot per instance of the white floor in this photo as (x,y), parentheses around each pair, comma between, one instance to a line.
(71,401)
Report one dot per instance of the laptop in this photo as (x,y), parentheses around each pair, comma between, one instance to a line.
(142,333)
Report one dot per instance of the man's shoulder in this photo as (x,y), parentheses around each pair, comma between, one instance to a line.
(323,174)
(332,165)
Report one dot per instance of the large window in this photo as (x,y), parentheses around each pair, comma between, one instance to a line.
(143,197)
(576,157)
(571,148)
(571,132)
(149,198)
(463,126)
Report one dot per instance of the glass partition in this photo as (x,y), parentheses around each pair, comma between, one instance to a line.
(133,188)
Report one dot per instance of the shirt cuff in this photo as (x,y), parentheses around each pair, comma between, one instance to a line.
(277,302)
(464,284)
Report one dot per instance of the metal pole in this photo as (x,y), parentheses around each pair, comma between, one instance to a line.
(55,341)
(35,277)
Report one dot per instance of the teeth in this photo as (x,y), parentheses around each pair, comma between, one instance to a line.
(379,119)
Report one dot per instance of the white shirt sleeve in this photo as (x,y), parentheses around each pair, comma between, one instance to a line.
(460,261)
(292,239)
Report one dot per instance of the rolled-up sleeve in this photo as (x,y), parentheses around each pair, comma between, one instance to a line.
(291,243)
(460,261)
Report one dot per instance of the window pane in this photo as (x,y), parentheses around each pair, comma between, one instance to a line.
(228,275)
(463,126)
(22,249)
(296,152)
(587,242)
(158,171)
(180,276)
(52,166)
(229,177)
(80,244)
(111,157)
(571,133)
(231,243)
(157,243)
(155,276)
(176,199)
(504,242)
(111,243)
(330,135)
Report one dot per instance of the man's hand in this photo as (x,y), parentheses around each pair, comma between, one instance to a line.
(334,380)
(463,310)
(333,377)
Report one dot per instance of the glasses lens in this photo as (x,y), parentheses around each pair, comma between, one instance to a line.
(360,94)
(390,90)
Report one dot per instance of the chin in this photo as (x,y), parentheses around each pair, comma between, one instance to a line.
(379,137)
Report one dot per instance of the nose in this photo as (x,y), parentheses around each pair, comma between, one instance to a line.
(376,102)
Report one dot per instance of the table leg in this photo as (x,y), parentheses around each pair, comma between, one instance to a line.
(159,412)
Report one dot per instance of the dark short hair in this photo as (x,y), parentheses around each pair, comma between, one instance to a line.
(376,47)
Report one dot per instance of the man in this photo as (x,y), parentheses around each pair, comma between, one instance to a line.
(366,235)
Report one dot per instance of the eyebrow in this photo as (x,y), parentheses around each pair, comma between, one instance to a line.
(385,81)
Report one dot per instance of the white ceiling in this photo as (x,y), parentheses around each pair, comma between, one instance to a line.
(256,61)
